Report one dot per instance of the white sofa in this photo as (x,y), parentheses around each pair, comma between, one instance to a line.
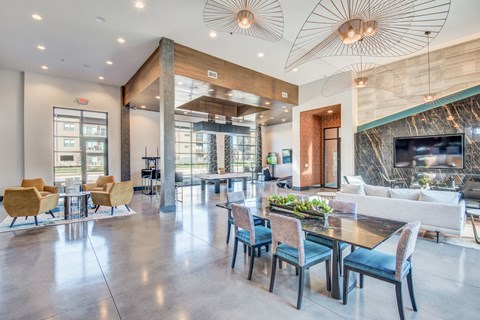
(434,216)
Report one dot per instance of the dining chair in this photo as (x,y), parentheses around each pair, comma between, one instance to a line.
(337,205)
(247,233)
(288,245)
(386,267)
(238,196)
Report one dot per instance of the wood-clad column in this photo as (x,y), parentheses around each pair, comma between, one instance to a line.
(167,125)
(125,142)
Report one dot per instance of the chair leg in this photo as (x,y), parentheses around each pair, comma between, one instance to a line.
(301,284)
(410,290)
(127,208)
(340,262)
(36,220)
(96,209)
(259,250)
(296,271)
(244,249)
(26,217)
(346,275)
(235,246)
(361,281)
(13,222)
(51,213)
(398,289)
(112,211)
(267,248)
(329,278)
(229,227)
(274,269)
(252,259)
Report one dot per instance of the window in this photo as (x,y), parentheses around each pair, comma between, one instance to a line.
(80,144)
(191,152)
(244,152)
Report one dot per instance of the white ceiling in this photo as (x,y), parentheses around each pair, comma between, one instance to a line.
(73,38)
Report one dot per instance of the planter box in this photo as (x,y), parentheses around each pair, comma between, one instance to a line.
(288,209)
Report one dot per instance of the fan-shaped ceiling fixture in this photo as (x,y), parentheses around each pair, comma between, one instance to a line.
(256,18)
(362,75)
(388,28)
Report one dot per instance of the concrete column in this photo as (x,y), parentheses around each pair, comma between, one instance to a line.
(125,144)
(167,126)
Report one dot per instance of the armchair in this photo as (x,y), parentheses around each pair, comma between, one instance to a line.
(102,184)
(40,185)
(25,202)
(120,193)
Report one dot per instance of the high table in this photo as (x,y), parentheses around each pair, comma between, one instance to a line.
(355,229)
(204,177)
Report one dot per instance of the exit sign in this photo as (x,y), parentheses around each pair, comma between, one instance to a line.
(81,101)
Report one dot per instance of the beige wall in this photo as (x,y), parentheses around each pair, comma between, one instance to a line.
(11,129)
(275,139)
(41,94)
(452,69)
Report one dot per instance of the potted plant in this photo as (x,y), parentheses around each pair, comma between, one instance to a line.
(300,208)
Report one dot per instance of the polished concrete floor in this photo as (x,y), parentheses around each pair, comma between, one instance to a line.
(176,266)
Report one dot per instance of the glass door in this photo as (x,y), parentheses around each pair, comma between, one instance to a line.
(331,158)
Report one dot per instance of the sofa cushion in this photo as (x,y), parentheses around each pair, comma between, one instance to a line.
(446,197)
(377,191)
(353,188)
(406,194)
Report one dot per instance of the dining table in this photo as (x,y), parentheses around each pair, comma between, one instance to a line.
(355,229)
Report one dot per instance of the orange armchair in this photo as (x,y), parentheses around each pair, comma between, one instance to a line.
(25,202)
(120,193)
(40,185)
(102,184)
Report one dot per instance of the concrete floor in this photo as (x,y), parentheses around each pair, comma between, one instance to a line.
(176,266)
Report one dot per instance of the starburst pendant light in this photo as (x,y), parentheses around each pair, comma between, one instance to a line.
(256,18)
(388,28)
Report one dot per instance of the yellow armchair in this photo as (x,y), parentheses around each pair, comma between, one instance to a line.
(25,202)
(102,184)
(120,193)
(40,185)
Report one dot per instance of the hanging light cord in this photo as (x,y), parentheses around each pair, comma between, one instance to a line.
(428,59)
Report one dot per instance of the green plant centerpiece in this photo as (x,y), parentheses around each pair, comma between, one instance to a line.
(423,181)
(301,208)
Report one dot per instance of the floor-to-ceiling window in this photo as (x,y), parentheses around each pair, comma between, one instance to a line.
(191,152)
(80,144)
(244,152)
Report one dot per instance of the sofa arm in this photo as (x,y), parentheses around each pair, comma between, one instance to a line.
(101,198)
(89,186)
(50,189)
(48,202)
(108,186)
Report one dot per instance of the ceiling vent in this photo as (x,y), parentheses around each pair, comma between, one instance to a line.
(212,74)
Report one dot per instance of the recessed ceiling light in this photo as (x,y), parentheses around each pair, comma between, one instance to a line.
(272,118)
(211,90)
(36,16)
(121,40)
(157,97)
(216,117)
(139,4)
(260,55)
(185,112)
(261,116)
(330,111)
(44,67)
(180,83)
(143,107)
(100,19)
(267,103)
(40,47)
(213,34)
(295,69)
(283,120)
(286,111)
(230,94)
(241,120)
(109,62)
(101,78)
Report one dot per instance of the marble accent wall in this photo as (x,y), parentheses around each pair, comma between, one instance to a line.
(259,150)
(374,147)
(228,148)
(212,154)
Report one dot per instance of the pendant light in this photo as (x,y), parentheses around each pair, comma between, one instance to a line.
(429,96)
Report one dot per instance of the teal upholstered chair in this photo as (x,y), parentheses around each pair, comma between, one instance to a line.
(386,267)
(288,245)
(337,205)
(238,196)
(247,233)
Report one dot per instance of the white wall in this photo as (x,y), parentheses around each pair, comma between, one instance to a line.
(275,139)
(144,132)
(311,98)
(11,129)
(42,93)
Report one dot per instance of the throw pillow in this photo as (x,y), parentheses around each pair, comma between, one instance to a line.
(353,188)
(447,197)
(407,194)
(377,191)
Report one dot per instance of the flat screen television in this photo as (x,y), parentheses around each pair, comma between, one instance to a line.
(432,152)
(287,155)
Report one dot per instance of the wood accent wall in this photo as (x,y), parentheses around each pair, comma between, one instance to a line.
(195,65)
(143,78)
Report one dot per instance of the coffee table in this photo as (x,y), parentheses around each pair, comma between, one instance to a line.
(82,203)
